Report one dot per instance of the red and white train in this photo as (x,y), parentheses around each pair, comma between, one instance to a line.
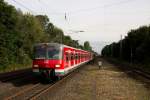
(53,59)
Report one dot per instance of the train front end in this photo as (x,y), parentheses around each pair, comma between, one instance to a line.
(47,58)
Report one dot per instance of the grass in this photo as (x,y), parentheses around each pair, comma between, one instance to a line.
(14,67)
(108,83)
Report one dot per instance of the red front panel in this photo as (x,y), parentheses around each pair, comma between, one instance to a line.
(43,63)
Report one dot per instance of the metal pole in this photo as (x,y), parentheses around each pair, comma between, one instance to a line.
(112,50)
(131,55)
(121,47)
(61,38)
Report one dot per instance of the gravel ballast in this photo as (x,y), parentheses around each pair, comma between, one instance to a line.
(107,83)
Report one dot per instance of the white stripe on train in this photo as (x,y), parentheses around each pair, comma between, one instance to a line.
(64,71)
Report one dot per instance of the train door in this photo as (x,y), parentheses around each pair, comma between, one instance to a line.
(76,58)
(72,59)
(79,57)
(67,62)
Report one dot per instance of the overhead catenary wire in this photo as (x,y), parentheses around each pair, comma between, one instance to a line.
(98,7)
(95,8)
(65,15)
(75,11)
(35,12)
(23,6)
(53,13)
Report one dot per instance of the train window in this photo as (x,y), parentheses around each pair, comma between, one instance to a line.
(72,56)
(53,53)
(81,55)
(76,56)
(40,52)
(67,57)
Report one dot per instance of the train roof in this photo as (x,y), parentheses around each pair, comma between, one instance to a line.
(58,45)
(49,44)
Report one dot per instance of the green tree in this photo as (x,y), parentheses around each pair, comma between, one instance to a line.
(19,32)
(7,33)
(87,46)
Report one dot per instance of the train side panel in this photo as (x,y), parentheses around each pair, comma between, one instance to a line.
(72,59)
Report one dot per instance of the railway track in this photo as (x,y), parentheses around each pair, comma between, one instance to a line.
(128,67)
(142,73)
(38,89)
(33,92)
(7,79)
(51,86)
(133,70)
(4,77)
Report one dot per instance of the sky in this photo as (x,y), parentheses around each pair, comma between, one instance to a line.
(103,21)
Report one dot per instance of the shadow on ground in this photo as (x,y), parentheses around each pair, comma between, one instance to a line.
(28,78)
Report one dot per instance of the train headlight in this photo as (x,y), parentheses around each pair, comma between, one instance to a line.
(35,65)
(57,65)
(46,61)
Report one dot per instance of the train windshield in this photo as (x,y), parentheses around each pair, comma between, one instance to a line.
(53,52)
(47,52)
(40,52)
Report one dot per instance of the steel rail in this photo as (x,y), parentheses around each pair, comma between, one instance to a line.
(21,92)
(43,89)
(13,76)
(142,73)
(50,87)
